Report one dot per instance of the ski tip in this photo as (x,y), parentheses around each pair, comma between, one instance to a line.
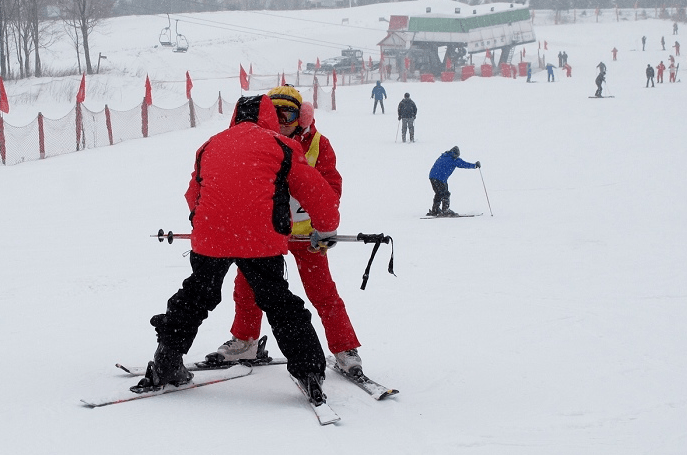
(388,393)
(122,367)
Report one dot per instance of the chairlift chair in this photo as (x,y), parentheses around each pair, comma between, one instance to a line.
(166,34)
(182,42)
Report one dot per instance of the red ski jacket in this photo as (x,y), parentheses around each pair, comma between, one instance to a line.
(239,189)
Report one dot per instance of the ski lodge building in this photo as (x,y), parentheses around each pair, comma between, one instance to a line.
(416,43)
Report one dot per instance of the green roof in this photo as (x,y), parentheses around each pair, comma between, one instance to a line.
(465,24)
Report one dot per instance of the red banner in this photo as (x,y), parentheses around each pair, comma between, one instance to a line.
(189,85)
(149,92)
(4,102)
(243,78)
(81,94)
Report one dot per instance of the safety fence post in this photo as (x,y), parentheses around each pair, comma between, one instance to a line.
(41,136)
(108,124)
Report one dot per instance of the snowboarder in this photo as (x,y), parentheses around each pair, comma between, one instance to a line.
(379,94)
(549,73)
(438,176)
(614,51)
(649,75)
(643,42)
(602,67)
(238,196)
(659,72)
(312,268)
(407,111)
(600,79)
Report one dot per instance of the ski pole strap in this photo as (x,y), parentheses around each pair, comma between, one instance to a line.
(377,239)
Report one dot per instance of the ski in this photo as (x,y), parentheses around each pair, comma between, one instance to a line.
(602,97)
(212,362)
(374,389)
(458,215)
(211,377)
(325,414)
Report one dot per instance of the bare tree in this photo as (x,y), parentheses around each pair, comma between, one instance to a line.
(85,16)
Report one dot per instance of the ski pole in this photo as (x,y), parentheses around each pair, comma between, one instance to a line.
(397,128)
(377,239)
(485,192)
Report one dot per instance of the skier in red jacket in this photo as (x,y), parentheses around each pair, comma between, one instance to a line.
(239,201)
(313,268)
(660,68)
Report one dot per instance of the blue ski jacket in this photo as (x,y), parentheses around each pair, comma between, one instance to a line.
(378,91)
(446,164)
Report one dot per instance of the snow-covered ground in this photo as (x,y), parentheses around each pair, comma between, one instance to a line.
(557,326)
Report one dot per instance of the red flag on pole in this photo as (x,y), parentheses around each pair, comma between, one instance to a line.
(283,79)
(300,64)
(149,92)
(189,85)
(334,79)
(243,78)
(317,64)
(81,94)
(4,103)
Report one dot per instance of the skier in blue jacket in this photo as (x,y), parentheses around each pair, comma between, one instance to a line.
(438,177)
(379,94)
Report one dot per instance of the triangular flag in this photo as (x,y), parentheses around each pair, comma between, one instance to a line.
(300,64)
(149,92)
(81,94)
(4,103)
(243,78)
(283,79)
(189,85)
(317,64)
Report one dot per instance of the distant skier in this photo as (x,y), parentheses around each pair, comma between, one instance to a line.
(673,72)
(407,110)
(379,94)
(600,79)
(565,58)
(643,42)
(649,75)
(614,51)
(659,72)
(663,43)
(602,67)
(674,28)
(677,49)
(549,73)
(560,59)
(568,69)
(441,170)
(529,72)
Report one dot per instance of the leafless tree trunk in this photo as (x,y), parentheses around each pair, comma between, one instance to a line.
(85,15)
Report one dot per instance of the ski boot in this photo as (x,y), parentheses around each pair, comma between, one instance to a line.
(312,384)
(166,368)
(235,351)
(349,362)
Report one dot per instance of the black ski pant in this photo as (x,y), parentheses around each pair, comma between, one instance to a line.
(202,292)
(381,103)
(441,195)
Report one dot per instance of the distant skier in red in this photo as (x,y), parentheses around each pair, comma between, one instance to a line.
(660,68)
(614,51)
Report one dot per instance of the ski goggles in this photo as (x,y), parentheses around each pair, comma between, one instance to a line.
(287,115)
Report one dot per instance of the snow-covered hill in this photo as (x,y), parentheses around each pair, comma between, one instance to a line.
(554,327)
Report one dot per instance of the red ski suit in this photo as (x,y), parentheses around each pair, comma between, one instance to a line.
(313,268)
(218,203)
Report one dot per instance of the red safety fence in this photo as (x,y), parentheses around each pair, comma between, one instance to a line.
(82,128)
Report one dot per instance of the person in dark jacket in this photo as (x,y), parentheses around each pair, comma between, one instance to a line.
(407,111)
(600,79)
(649,75)
(239,201)
(379,94)
(438,176)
